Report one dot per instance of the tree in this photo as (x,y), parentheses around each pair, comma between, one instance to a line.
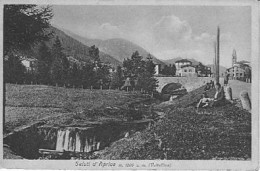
(88,74)
(94,53)
(143,71)
(169,70)
(44,63)
(134,66)
(248,74)
(117,78)
(75,75)
(60,65)
(102,75)
(25,25)
(14,70)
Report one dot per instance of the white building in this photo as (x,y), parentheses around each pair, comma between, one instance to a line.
(157,69)
(237,71)
(179,64)
(187,71)
(182,62)
(29,63)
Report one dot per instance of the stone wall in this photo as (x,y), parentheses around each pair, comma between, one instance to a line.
(190,83)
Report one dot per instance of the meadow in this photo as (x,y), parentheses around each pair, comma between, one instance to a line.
(26,104)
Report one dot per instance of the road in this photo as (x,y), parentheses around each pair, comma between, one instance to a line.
(238,86)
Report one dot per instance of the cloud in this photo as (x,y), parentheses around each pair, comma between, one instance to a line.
(108,31)
(174,38)
(171,28)
(169,37)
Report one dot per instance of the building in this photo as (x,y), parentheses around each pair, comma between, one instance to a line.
(236,73)
(203,71)
(238,69)
(187,71)
(182,62)
(29,63)
(157,69)
(179,66)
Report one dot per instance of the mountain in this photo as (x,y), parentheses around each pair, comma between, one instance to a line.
(172,61)
(119,48)
(73,48)
(78,50)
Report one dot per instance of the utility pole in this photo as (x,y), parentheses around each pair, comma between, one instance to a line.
(214,60)
(217,57)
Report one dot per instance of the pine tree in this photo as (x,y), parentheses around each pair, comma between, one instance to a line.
(143,71)
(14,70)
(44,64)
(25,25)
(60,64)
(88,75)
(117,78)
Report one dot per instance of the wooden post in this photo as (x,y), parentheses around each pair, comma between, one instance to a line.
(91,87)
(127,88)
(245,100)
(217,56)
(4,102)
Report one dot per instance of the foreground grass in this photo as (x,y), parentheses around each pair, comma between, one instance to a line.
(68,99)
(26,104)
(184,134)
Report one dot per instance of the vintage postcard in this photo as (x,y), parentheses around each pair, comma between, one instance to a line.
(116,84)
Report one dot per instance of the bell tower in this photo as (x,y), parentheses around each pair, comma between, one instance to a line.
(234,57)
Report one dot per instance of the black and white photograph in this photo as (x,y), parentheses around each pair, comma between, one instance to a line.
(92,83)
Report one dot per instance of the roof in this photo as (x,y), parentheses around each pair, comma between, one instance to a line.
(187,66)
(242,62)
(29,59)
(183,60)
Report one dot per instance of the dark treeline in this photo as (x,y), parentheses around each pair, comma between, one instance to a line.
(26,26)
(52,67)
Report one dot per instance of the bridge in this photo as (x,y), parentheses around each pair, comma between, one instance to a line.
(190,83)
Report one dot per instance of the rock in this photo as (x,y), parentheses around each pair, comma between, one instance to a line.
(245,100)
(228,93)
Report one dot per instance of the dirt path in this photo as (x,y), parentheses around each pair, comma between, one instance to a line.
(238,86)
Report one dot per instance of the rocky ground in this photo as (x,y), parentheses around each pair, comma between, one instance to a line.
(179,131)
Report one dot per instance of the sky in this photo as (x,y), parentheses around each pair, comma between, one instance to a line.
(165,31)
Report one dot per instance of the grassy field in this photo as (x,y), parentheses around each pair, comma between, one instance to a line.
(222,133)
(26,104)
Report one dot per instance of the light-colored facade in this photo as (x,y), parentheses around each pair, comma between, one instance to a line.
(187,71)
(157,69)
(179,64)
(236,72)
(182,62)
(29,64)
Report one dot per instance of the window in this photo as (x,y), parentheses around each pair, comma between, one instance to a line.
(241,74)
(185,70)
(190,70)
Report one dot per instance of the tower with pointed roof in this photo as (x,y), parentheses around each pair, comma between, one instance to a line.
(234,57)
